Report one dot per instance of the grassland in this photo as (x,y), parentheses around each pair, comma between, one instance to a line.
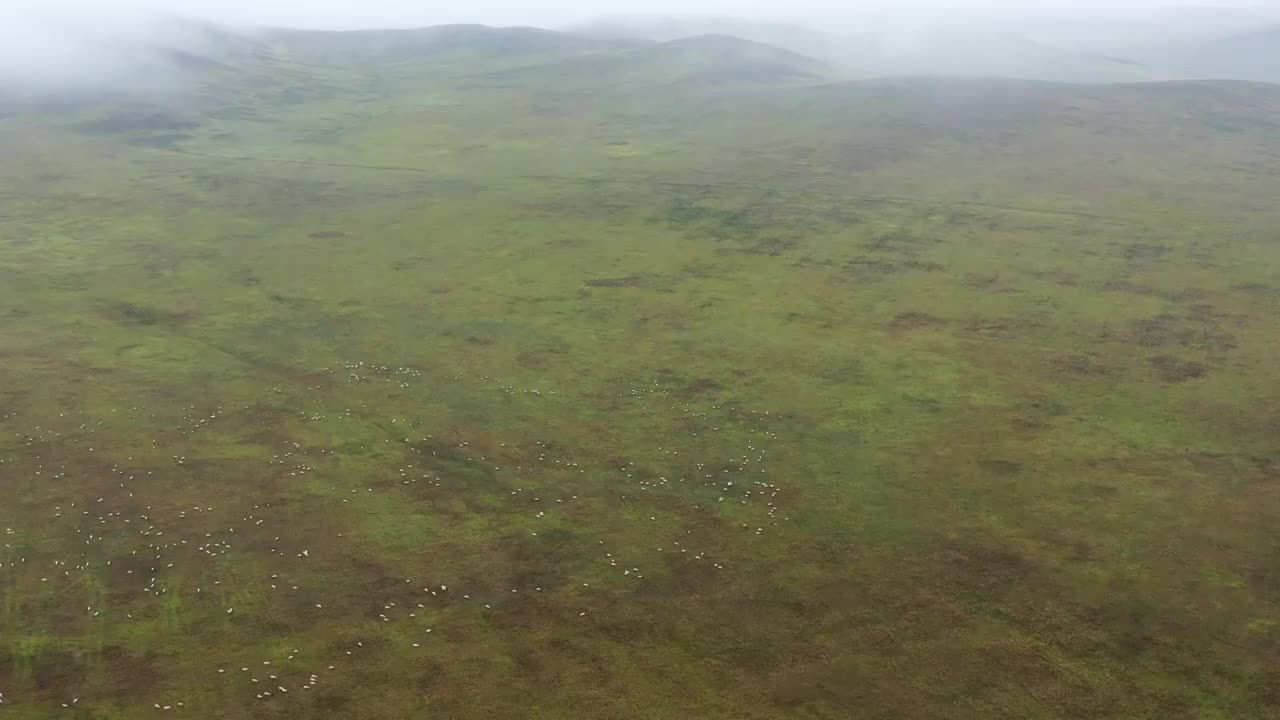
(443,387)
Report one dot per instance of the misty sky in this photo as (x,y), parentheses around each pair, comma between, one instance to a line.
(389,13)
(48,43)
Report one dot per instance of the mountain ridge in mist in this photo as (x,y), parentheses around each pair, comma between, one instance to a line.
(703,62)
(408,43)
(919,51)
(177,56)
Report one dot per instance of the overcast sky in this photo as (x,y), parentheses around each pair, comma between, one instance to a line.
(386,13)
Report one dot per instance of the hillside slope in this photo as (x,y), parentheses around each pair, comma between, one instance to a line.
(878,54)
(706,62)
(459,43)
(975,54)
(507,99)
(480,374)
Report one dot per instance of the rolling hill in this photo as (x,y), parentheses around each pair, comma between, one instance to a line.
(926,52)
(496,373)
(705,62)
(665,29)
(972,54)
(455,43)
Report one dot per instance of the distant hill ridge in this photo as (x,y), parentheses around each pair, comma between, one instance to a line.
(373,45)
(700,62)
(871,54)
(637,56)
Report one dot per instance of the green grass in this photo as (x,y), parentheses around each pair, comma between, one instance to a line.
(994,391)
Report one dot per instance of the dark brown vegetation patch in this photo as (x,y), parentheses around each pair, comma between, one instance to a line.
(135,669)
(1058,277)
(617,282)
(145,315)
(995,327)
(1203,312)
(772,246)
(139,120)
(899,241)
(702,387)
(533,360)
(981,281)
(1145,251)
(1079,365)
(985,566)
(1153,332)
(870,267)
(1000,467)
(914,321)
(1130,287)
(1258,289)
(924,266)
(1266,686)
(1172,370)
(57,669)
